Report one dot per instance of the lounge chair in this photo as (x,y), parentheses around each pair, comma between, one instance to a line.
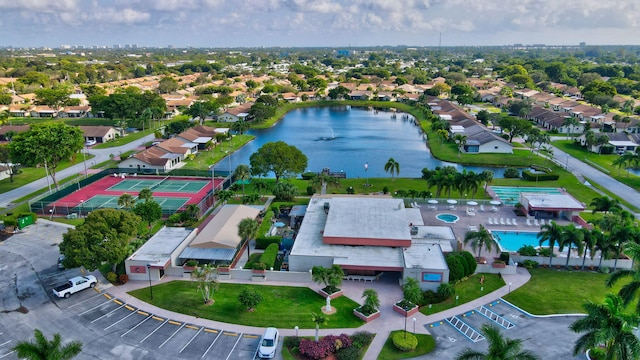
(535,222)
(471,213)
(494,209)
(528,222)
(541,222)
(502,221)
(490,221)
(482,207)
(495,221)
(514,222)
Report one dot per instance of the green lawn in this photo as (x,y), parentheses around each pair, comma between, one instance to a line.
(28,174)
(466,291)
(283,307)
(129,138)
(204,159)
(426,344)
(560,291)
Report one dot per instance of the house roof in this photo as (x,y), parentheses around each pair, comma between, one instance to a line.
(153,156)
(176,146)
(96,131)
(222,230)
(15,128)
(240,110)
(157,251)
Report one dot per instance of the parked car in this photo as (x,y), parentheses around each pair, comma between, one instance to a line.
(90,142)
(269,343)
(74,285)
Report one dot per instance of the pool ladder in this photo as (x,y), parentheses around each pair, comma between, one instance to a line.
(495,317)
(465,329)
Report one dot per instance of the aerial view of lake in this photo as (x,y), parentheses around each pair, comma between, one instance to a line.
(345,138)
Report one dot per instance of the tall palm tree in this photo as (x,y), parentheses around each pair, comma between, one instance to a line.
(247,230)
(569,123)
(571,236)
(588,244)
(443,134)
(487,177)
(461,140)
(608,325)
(620,236)
(43,349)
(242,173)
(628,159)
(145,194)
(552,233)
(630,290)
(126,201)
(500,348)
(392,167)
(193,210)
(479,239)
(318,319)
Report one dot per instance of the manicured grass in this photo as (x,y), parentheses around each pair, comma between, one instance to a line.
(561,291)
(426,344)
(204,159)
(467,291)
(611,195)
(129,138)
(282,307)
(28,175)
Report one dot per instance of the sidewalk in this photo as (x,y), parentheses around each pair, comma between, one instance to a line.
(388,290)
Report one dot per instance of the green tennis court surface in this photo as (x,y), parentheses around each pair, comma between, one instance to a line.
(160,185)
(168,204)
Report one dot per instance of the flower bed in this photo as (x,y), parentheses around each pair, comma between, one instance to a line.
(333,295)
(366,318)
(405,308)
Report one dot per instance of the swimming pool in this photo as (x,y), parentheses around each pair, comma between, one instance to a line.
(510,195)
(448,218)
(512,241)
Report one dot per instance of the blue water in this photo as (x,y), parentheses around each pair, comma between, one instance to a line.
(510,195)
(512,241)
(344,139)
(448,218)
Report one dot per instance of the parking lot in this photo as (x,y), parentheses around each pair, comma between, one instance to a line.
(175,339)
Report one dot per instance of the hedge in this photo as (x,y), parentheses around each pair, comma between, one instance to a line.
(528,175)
(266,223)
(269,256)
(264,241)
(404,341)
(456,269)
(472,264)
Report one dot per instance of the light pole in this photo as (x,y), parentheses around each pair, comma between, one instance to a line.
(296,328)
(457,297)
(509,290)
(405,327)
(81,207)
(84,160)
(414,325)
(366,176)
(430,308)
(150,288)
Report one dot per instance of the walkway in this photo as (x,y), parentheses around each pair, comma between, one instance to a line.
(388,291)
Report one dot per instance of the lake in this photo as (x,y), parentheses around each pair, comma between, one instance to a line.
(345,138)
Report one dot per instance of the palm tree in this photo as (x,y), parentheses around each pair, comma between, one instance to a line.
(392,167)
(479,239)
(500,348)
(571,236)
(224,195)
(608,325)
(145,194)
(589,245)
(260,185)
(487,177)
(371,300)
(552,233)
(193,211)
(461,140)
(240,127)
(43,349)
(630,290)
(605,204)
(443,134)
(569,123)
(322,180)
(242,173)
(247,230)
(318,319)
(628,159)
(621,235)
(126,201)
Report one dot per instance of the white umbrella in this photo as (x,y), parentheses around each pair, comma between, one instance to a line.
(432,201)
(452,202)
(495,202)
(472,203)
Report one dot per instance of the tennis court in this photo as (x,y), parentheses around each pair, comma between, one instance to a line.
(160,185)
(168,204)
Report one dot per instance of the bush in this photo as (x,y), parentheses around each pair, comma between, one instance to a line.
(604,270)
(511,173)
(10,221)
(350,190)
(456,270)
(324,347)
(385,190)
(269,256)
(112,277)
(124,278)
(446,290)
(471,262)
(308,175)
(606,149)
(528,175)
(504,256)
(264,241)
(406,305)
(291,342)
(527,250)
(310,190)
(404,341)
(530,264)
(544,252)
(361,339)
(350,353)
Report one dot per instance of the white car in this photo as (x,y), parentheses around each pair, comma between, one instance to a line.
(90,142)
(269,343)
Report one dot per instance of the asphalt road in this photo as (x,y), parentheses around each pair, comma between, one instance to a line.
(100,155)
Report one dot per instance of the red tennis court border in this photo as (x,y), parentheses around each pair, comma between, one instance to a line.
(101,187)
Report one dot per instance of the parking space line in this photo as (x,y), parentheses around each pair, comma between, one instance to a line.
(93,308)
(7,354)
(138,324)
(132,313)
(5,343)
(211,331)
(83,301)
(172,335)
(156,329)
(234,345)
(109,313)
(210,346)
(189,342)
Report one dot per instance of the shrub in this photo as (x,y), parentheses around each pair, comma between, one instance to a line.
(471,261)
(112,277)
(324,347)
(544,252)
(291,342)
(191,262)
(527,250)
(606,149)
(269,256)
(350,353)
(530,264)
(511,173)
(446,290)
(10,221)
(250,299)
(310,190)
(361,339)
(528,175)
(385,190)
(456,270)
(405,304)
(350,190)
(504,256)
(259,266)
(308,175)
(124,278)
(264,241)
(604,270)
(404,341)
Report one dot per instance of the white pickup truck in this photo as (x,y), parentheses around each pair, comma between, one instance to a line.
(74,285)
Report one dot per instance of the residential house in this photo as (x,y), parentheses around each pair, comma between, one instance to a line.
(194,136)
(179,146)
(100,134)
(7,131)
(75,112)
(360,95)
(43,111)
(291,97)
(154,159)
(236,114)
(19,110)
(481,140)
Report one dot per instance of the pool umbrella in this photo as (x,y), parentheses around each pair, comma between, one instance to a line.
(432,201)
(472,203)
(452,202)
(495,202)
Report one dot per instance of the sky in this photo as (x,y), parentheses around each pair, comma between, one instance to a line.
(312,23)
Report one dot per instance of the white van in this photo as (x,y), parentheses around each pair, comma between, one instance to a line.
(269,343)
